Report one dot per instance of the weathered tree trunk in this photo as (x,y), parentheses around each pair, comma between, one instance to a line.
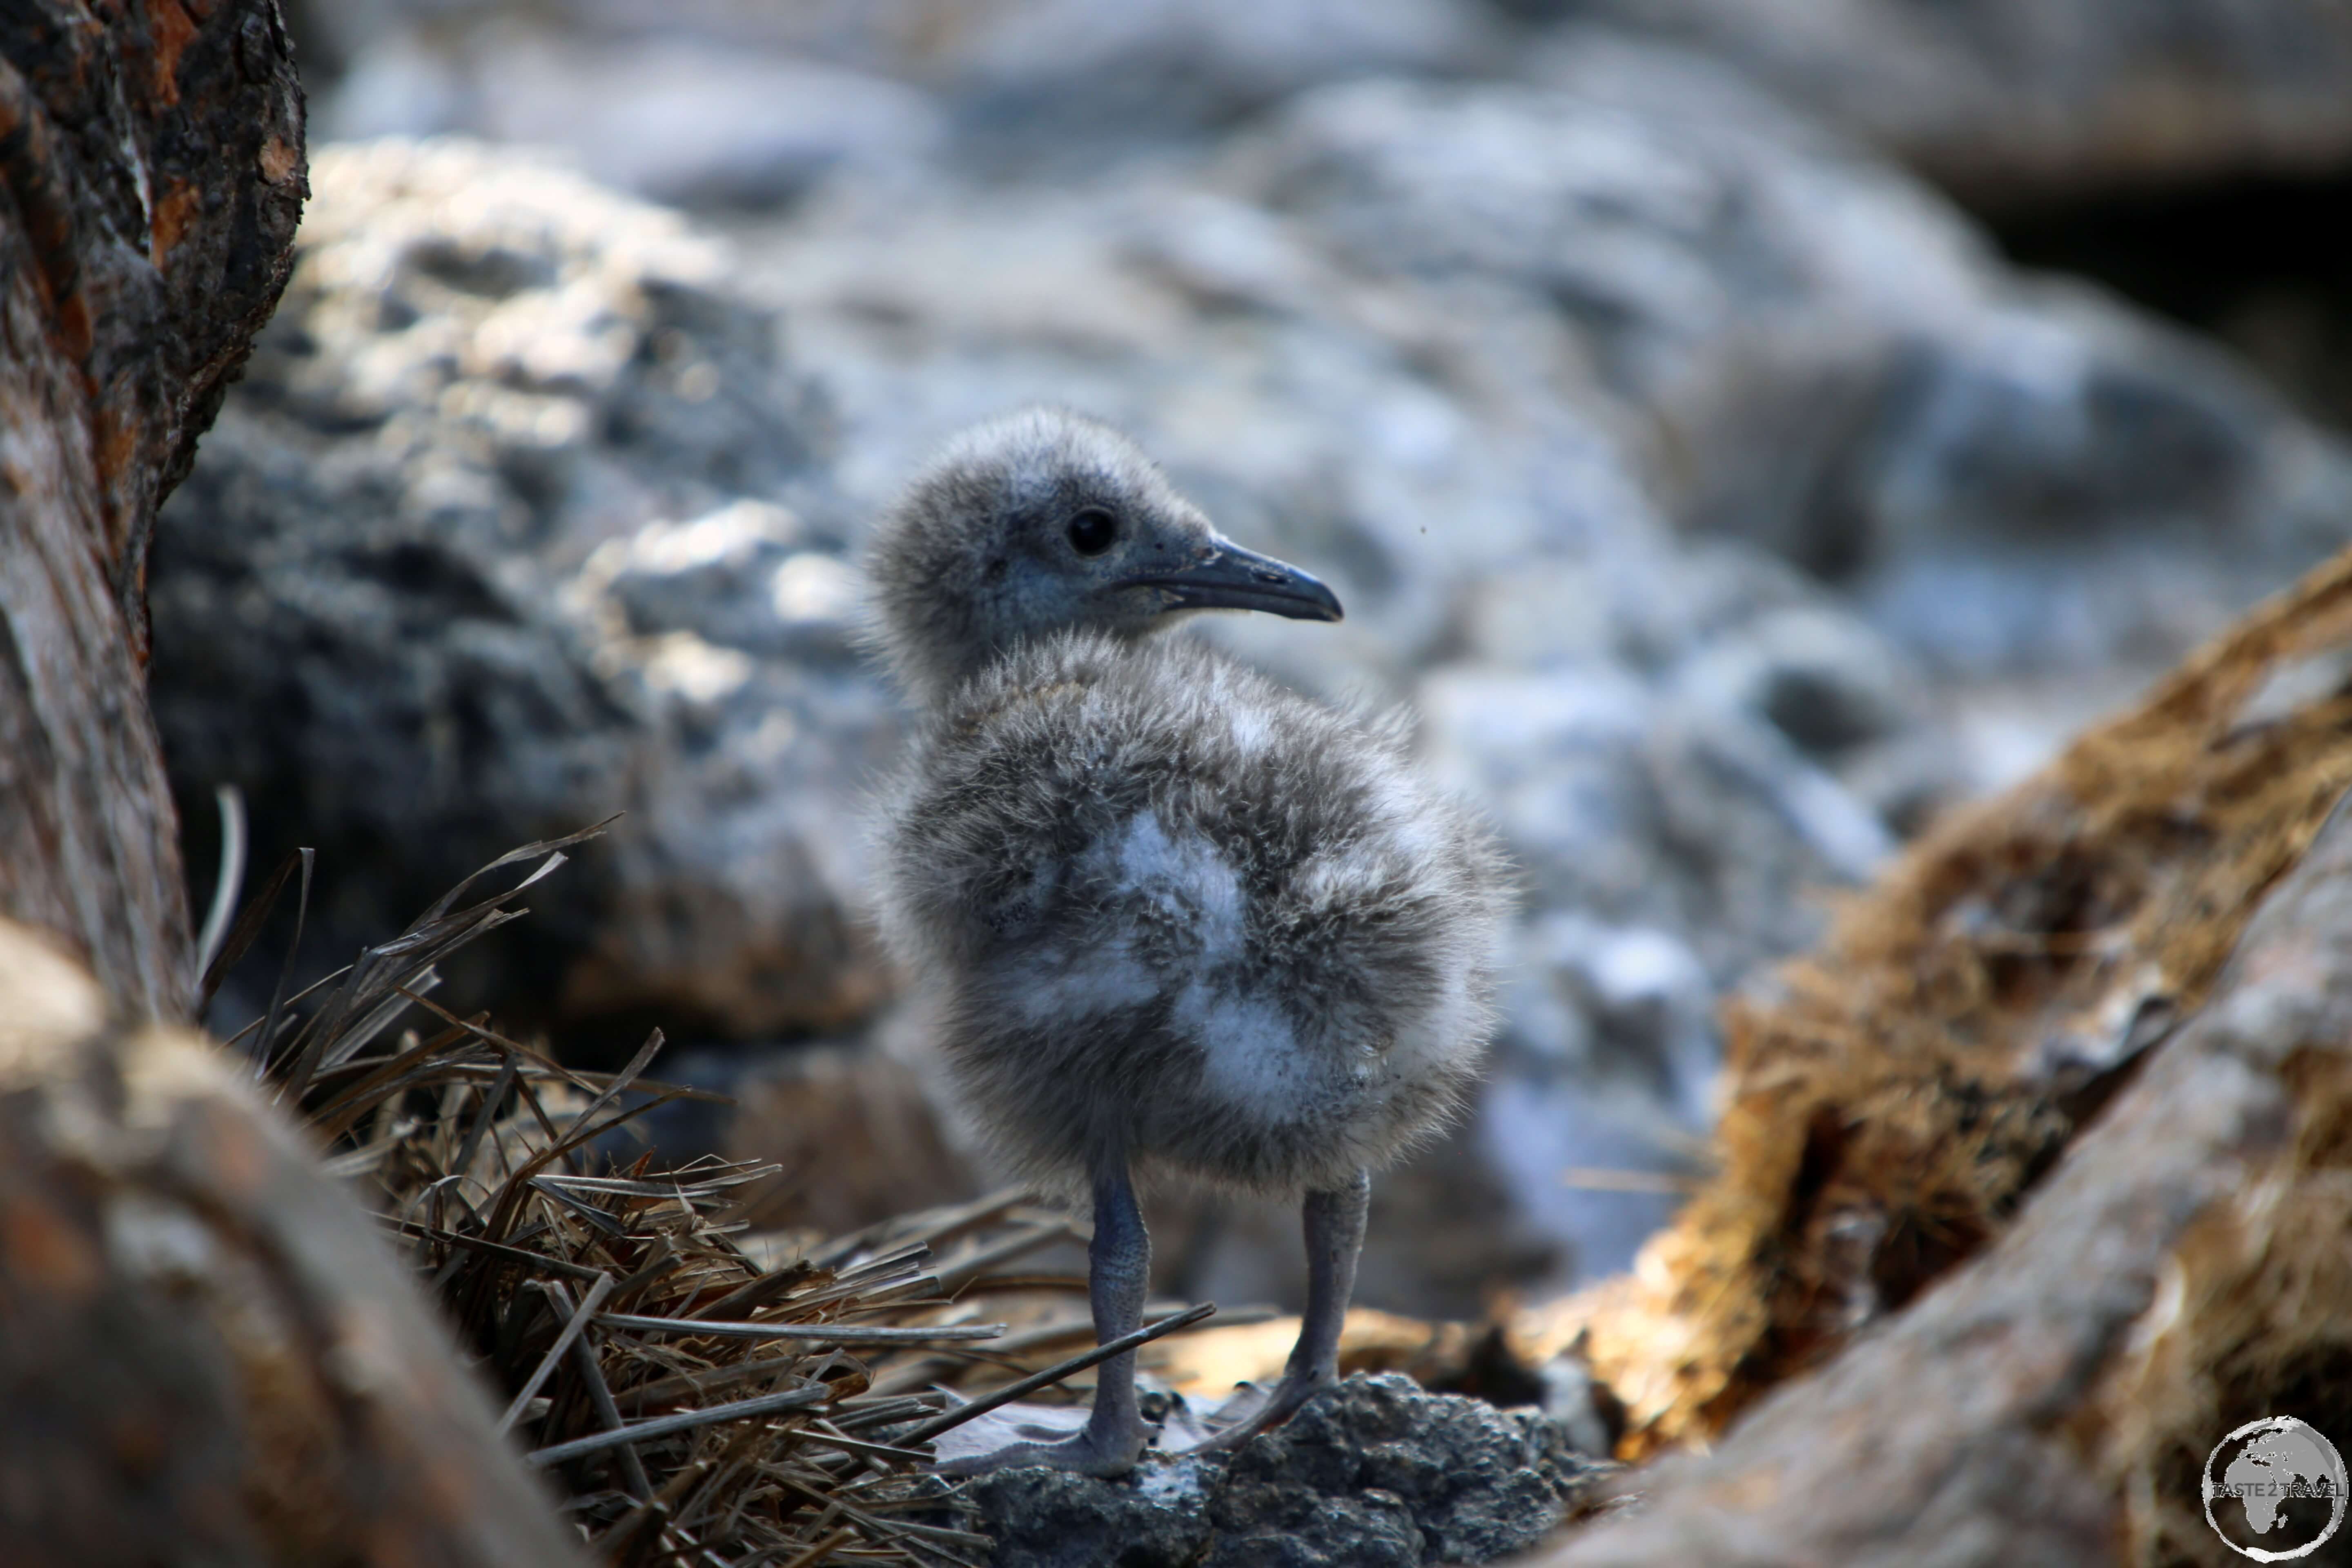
(2035,1182)
(150,176)
(205,1356)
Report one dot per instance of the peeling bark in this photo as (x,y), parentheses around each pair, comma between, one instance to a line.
(151,178)
(1898,1096)
(206,1355)
(2022,1412)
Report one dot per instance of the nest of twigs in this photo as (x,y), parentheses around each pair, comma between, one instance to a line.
(698,1392)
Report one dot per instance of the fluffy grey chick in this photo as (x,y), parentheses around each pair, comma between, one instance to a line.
(1173,914)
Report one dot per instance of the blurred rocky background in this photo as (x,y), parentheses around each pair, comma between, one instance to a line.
(1739,429)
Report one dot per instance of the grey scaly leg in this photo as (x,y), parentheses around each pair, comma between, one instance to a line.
(1334,1222)
(1118,1273)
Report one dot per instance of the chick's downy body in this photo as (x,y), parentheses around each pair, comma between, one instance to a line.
(1184,916)
(1170,914)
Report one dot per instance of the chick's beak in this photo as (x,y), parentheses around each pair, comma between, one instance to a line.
(1232,578)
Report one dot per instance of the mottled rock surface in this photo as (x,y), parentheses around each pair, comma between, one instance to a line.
(2033,99)
(1830,361)
(466,561)
(1374,1473)
(2014,100)
(641,94)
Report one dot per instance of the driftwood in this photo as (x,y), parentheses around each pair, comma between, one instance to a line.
(2198,1234)
(150,176)
(1898,1095)
(206,1354)
(2036,1180)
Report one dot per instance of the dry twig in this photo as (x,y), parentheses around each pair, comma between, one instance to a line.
(695,1406)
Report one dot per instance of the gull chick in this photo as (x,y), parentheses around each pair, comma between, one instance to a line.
(1173,916)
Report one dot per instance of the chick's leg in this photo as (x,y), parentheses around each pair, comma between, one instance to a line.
(1334,1222)
(1118,1273)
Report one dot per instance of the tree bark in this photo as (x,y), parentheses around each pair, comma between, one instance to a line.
(205,1355)
(151,178)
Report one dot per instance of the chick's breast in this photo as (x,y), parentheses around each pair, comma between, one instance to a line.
(1175,911)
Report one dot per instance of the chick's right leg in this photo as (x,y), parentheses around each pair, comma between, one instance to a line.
(1119,1275)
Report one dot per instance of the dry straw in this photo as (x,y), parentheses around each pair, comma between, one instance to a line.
(694,1400)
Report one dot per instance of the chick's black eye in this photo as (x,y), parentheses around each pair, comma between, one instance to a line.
(1092,531)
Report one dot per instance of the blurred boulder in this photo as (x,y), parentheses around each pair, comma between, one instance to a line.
(2007,102)
(2010,101)
(737,102)
(1818,354)
(1825,358)
(428,596)
(680,119)
(855,1136)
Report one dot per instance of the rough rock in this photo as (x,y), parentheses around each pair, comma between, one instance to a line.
(2010,101)
(1374,1473)
(1827,360)
(852,1131)
(2033,99)
(679,118)
(1157,1518)
(1805,348)
(736,101)
(424,597)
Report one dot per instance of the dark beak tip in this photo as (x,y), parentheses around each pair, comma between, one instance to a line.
(1232,578)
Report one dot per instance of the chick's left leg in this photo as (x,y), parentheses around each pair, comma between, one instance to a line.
(1334,1223)
(1118,1273)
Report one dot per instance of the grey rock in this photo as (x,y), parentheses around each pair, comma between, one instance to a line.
(745,576)
(2020,100)
(1039,75)
(1844,373)
(1373,1471)
(2008,99)
(1474,1482)
(1053,1519)
(695,121)
(1620,803)
(421,599)
(2069,489)
(734,101)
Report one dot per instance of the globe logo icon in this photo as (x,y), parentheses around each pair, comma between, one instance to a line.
(2275,1489)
